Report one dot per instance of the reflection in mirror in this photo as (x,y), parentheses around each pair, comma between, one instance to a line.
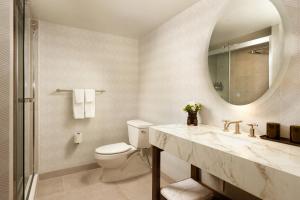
(245,50)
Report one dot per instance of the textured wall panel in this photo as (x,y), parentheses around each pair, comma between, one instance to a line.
(75,58)
(4,98)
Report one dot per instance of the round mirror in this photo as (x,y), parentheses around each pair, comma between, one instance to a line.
(245,50)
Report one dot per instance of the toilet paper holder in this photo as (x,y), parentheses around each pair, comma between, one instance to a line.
(77,137)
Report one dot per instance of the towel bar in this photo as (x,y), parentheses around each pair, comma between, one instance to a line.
(62,90)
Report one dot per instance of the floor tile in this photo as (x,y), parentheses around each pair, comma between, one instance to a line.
(50,186)
(138,188)
(54,196)
(86,185)
(81,179)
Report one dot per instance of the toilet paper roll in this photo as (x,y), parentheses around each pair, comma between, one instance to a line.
(77,138)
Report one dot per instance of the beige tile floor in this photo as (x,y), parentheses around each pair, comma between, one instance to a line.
(86,185)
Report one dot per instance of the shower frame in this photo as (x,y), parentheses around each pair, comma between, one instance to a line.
(22,182)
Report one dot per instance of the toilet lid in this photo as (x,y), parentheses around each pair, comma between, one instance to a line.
(139,123)
(113,148)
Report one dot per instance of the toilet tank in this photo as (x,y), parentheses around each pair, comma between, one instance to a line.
(138,133)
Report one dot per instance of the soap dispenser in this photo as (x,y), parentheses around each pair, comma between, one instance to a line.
(252,130)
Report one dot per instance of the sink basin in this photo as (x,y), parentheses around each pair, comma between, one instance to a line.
(224,140)
(230,143)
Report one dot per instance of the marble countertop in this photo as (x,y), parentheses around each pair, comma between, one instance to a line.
(266,169)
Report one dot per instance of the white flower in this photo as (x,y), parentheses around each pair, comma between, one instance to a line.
(192,103)
(193,108)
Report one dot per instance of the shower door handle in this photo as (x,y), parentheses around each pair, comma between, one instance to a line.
(28,100)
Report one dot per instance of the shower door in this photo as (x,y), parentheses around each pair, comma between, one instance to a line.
(29,106)
(240,72)
(219,69)
(23,104)
(19,99)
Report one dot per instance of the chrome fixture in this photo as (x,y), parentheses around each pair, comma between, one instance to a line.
(64,90)
(262,50)
(237,126)
(252,130)
(218,86)
(28,99)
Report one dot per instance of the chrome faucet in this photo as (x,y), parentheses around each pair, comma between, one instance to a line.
(237,126)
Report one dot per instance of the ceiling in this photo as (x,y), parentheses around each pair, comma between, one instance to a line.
(242,17)
(130,18)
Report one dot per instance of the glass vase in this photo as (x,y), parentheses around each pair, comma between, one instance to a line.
(192,119)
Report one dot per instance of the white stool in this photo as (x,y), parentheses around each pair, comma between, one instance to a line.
(188,189)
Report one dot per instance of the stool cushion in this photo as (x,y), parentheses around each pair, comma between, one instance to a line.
(188,189)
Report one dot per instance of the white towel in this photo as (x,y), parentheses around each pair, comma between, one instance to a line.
(78,103)
(90,104)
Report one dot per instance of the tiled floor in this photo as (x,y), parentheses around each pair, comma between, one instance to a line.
(87,186)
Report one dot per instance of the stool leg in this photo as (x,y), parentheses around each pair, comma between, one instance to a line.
(156,173)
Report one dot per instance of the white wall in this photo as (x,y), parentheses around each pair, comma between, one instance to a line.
(174,70)
(75,58)
(6,101)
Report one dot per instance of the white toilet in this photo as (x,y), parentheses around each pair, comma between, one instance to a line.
(115,155)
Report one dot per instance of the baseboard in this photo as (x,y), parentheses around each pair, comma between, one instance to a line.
(72,170)
(66,171)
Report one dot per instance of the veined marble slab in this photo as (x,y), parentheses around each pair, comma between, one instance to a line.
(266,169)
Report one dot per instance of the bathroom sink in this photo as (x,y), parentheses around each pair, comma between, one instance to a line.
(235,144)
(230,156)
(225,140)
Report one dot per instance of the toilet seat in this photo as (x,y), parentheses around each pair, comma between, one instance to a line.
(111,149)
(113,155)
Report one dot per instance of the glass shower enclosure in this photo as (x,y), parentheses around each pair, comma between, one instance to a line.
(23,105)
(240,71)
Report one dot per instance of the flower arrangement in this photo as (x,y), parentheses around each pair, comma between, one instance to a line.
(192,109)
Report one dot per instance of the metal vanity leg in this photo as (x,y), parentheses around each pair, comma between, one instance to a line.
(196,173)
(156,173)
